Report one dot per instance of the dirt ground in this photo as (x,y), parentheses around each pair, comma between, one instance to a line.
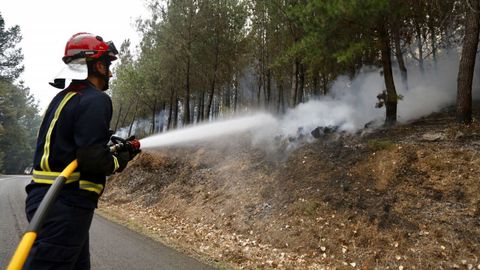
(399,198)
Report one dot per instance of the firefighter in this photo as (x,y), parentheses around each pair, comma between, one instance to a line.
(75,126)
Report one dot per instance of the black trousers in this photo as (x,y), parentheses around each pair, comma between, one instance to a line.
(63,241)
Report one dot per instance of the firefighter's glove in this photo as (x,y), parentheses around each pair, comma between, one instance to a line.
(123,157)
(133,151)
(127,145)
(95,159)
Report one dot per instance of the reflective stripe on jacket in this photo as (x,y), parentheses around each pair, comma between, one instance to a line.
(41,177)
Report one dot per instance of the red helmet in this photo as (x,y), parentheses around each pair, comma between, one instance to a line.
(86,45)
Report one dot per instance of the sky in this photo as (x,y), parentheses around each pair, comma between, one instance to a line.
(46,26)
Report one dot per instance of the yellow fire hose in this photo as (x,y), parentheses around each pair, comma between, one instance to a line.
(25,245)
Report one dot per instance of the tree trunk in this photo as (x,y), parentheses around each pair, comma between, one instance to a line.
(301,85)
(316,79)
(201,107)
(418,30)
(259,92)
(162,116)
(268,88)
(280,97)
(263,61)
(399,56)
(325,83)
(235,98)
(227,96)
(170,110)
(217,108)
(118,117)
(467,63)
(214,106)
(175,116)
(192,112)
(433,40)
(133,119)
(295,85)
(214,79)
(186,115)
(124,120)
(391,101)
(210,98)
(153,115)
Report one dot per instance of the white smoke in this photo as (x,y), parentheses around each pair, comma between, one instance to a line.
(431,91)
(351,102)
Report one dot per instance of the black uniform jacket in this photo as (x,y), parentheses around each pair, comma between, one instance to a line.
(78,117)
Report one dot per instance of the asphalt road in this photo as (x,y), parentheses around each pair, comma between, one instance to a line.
(111,245)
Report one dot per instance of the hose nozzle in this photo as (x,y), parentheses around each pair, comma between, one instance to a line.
(130,144)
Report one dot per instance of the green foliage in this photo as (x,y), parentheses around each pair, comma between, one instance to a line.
(351,52)
(194,53)
(342,29)
(11,57)
(188,48)
(20,121)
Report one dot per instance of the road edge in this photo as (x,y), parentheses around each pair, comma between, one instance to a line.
(135,226)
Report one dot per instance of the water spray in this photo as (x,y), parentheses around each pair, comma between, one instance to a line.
(209,131)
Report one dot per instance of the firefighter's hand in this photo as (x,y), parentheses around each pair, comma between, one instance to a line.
(123,158)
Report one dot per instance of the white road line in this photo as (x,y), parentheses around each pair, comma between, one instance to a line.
(1,179)
(9,178)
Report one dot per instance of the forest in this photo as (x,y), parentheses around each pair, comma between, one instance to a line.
(199,60)
(19,119)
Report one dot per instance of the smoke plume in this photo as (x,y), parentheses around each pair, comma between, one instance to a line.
(351,102)
(348,107)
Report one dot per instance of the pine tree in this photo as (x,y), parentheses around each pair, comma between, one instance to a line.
(19,120)
(11,57)
(467,62)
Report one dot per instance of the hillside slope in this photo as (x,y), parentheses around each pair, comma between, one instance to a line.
(402,198)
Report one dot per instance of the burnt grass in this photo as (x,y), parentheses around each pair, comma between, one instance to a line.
(406,197)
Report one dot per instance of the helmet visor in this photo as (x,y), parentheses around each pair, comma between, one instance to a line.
(112,50)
